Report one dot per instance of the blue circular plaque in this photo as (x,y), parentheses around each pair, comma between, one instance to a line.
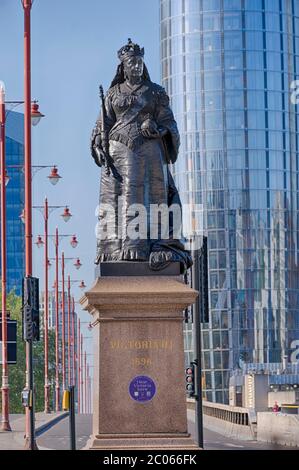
(142,388)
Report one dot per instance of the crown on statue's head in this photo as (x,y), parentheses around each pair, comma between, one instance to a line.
(130,50)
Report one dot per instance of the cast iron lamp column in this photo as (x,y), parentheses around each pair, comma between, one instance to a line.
(5,426)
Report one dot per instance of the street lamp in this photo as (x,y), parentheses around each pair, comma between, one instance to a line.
(78,264)
(22,216)
(74,241)
(54,176)
(39,242)
(36,115)
(6,178)
(66,215)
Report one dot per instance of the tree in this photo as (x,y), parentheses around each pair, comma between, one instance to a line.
(17,372)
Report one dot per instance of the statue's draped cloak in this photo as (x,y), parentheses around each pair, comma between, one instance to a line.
(142,164)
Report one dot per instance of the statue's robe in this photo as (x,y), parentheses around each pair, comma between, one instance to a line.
(145,179)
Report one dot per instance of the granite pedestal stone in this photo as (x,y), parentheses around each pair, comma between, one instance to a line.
(138,337)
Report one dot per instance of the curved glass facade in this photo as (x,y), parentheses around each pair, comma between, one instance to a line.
(227,66)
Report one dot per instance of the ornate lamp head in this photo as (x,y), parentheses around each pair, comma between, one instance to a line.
(129,50)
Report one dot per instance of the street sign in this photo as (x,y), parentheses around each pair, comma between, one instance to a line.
(11,342)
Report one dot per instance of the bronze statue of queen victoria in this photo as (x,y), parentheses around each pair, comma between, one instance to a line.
(134,141)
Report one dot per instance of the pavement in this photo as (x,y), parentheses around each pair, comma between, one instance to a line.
(14,440)
(52,433)
(57,437)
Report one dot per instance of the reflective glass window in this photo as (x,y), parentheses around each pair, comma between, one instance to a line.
(255,79)
(217,359)
(231,5)
(271,6)
(176,25)
(213,100)
(233,60)
(254,40)
(191,24)
(234,80)
(253,20)
(257,159)
(254,60)
(213,120)
(218,381)
(235,140)
(213,81)
(212,61)
(232,40)
(273,41)
(256,119)
(235,120)
(234,99)
(211,5)
(256,139)
(232,21)
(206,340)
(273,60)
(272,22)
(253,5)
(192,6)
(192,42)
(274,81)
(211,22)
(256,99)
(212,41)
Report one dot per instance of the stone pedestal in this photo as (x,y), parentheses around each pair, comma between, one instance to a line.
(139,392)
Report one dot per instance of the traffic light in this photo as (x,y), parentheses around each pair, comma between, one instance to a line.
(30,296)
(190,385)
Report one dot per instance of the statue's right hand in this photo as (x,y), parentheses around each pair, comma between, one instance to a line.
(99,155)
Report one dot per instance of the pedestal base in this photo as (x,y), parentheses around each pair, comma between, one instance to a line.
(146,442)
(139,393)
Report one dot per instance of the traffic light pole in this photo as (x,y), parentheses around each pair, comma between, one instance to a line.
(33,445)
(197,352)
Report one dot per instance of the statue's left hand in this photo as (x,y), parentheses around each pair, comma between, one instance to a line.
(149,129)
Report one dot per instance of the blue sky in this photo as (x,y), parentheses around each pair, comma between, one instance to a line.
(74,46)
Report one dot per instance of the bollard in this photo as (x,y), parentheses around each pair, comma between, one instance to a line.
(68,404)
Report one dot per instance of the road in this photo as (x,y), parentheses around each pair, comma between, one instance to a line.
(57,437)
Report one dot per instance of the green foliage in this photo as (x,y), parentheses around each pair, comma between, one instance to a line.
(16,372)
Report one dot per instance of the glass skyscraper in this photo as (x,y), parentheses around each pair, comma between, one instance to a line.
(228,66)
(15,201)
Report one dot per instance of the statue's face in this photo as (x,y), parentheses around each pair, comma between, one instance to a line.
(133,67)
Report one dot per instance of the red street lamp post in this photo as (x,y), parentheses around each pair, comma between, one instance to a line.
(56,323)
(5,426)
(88,397)
(81,375)
(63,322)
(46,311)
(71,327)
(27,4)
(79,364)
(73,342)
(85,383)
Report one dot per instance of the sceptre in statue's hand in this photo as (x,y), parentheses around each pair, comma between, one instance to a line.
(104,134)
(101,143)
